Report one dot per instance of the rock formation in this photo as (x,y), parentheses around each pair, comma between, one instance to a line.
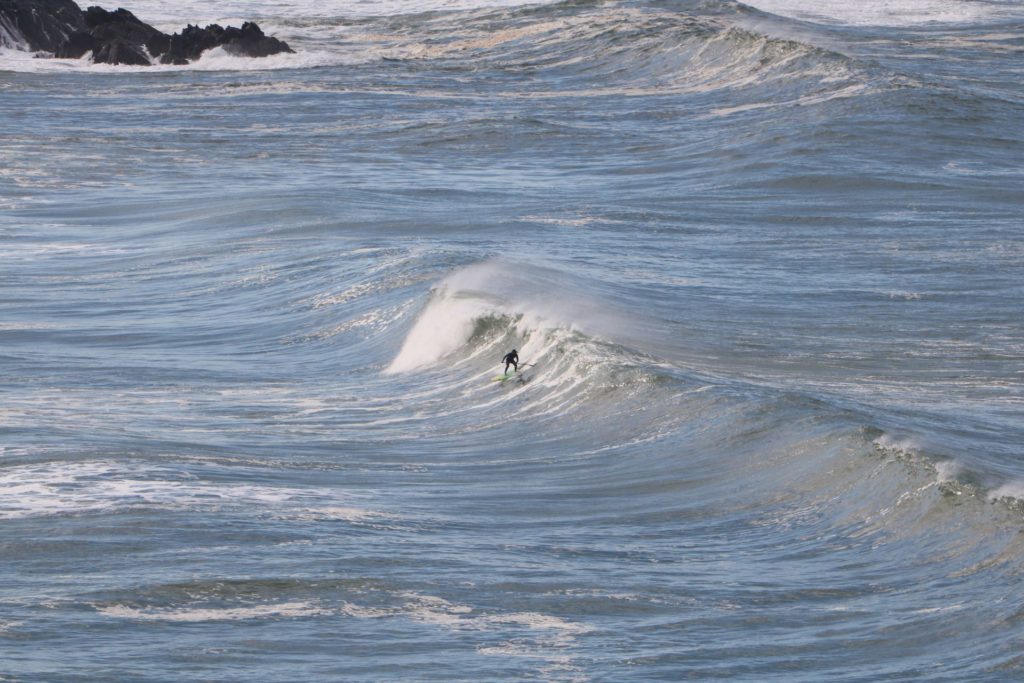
(248,41)
(119,37)
(40,25)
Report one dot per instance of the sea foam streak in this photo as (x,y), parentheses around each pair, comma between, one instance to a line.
(106,486)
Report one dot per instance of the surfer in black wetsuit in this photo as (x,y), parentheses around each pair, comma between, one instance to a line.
(511,358)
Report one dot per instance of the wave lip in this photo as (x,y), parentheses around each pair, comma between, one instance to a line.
(501,302)
(884,12)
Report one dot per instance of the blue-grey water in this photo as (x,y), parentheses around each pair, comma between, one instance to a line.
(765,272)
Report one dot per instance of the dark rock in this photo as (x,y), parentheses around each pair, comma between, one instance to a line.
(122,25)
(41,25)
(119,37)
(120,52)
(191,43)
(249,41)
(76,45)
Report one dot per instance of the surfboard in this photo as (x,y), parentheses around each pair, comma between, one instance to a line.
(514,373)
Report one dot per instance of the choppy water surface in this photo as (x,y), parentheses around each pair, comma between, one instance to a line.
(764,266)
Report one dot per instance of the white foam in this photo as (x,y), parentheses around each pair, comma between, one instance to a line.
(25,326)
(361,612)
(443,327)
(534,635)
(290,610)
(855,90)
(216,59)
(1012,489)
(435,610)
(10,37)
(58,488)
(438,611)
(7,626)
(904,444)
(904,295)
(341,514)
(956,607)
(947,471)
(539,622)
(531,635)
(577,221)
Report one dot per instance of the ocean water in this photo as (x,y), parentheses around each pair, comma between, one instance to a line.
(763,264)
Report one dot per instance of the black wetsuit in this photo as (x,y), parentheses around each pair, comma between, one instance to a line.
(511,359)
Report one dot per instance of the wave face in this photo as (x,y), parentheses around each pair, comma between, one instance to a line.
(762,264)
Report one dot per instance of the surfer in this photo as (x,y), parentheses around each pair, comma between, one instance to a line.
(511,358)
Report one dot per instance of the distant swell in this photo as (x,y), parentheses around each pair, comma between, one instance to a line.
(581,49)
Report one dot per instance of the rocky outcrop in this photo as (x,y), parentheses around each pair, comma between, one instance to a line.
(120,52)
(248,41)
(39,25)
(76,45)
(119,37)
(121,27)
